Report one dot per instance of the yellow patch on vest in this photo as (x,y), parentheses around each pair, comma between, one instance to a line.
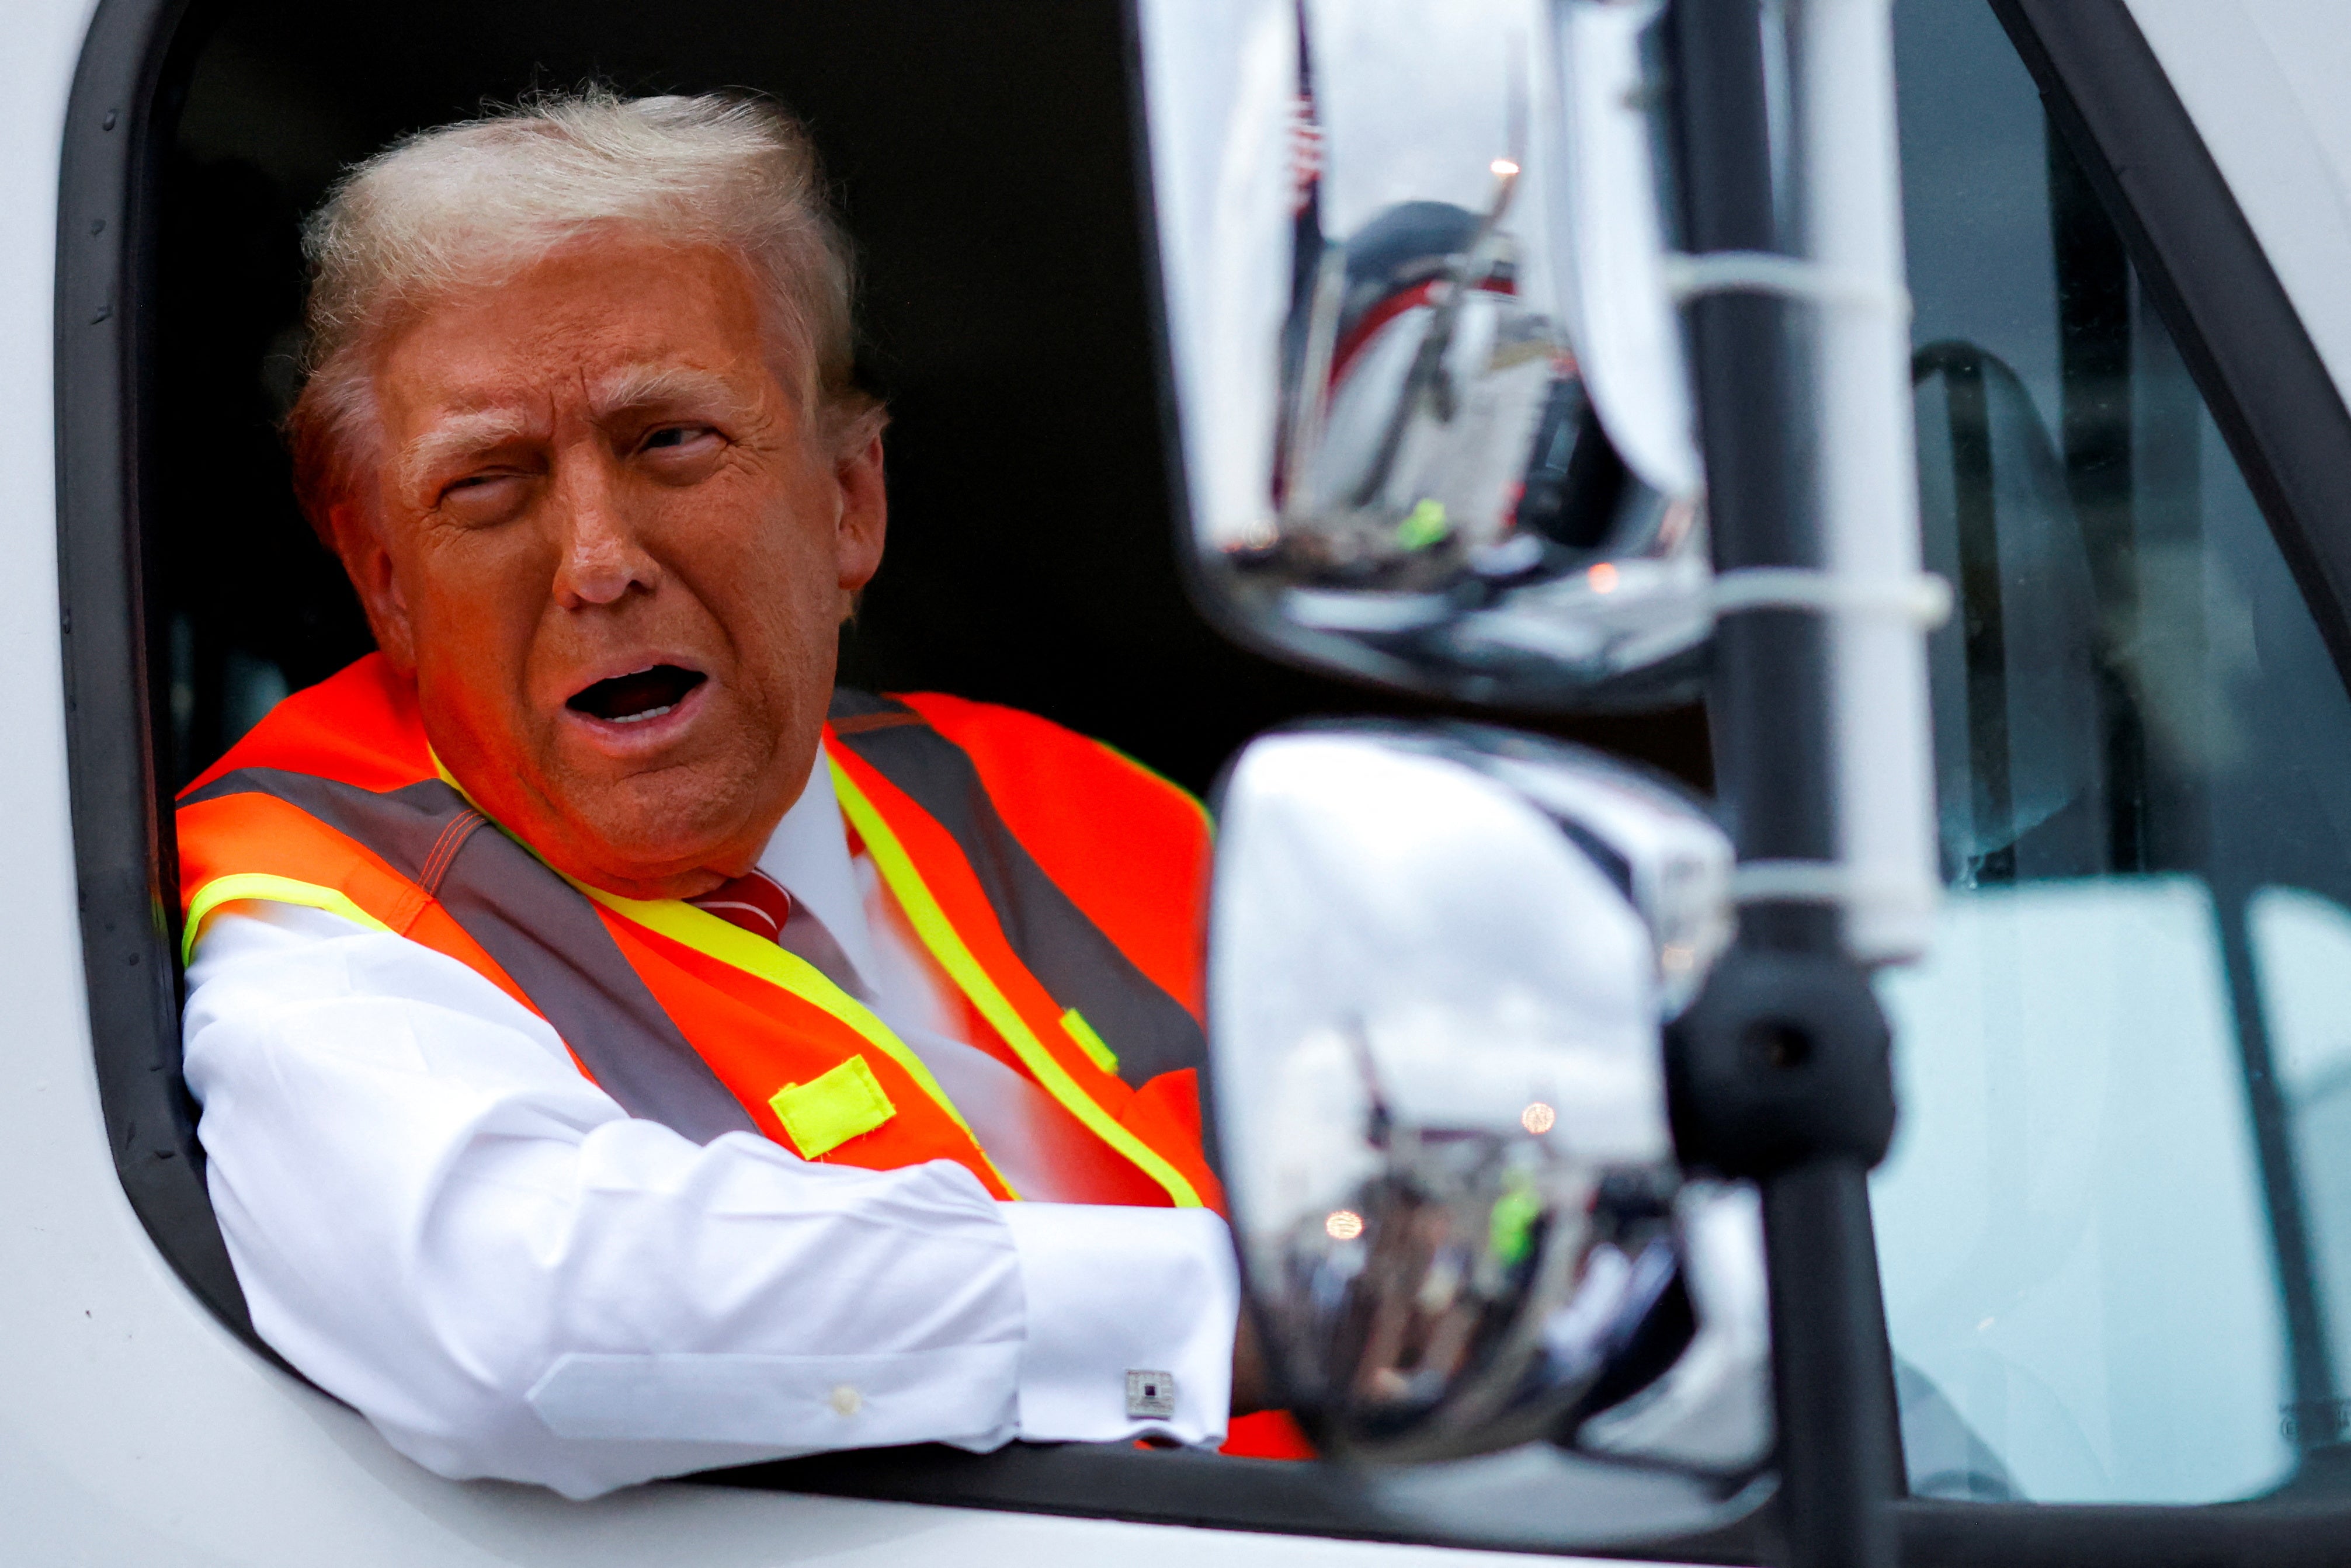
(826,1112)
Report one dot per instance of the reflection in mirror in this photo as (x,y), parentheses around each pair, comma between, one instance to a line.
(1439,963)
(1429,377)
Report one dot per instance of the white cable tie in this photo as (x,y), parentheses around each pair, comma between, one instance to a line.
(1825,882)
(1922,598)
(1689,277)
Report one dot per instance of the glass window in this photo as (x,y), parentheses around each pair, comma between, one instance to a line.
(2115,1227)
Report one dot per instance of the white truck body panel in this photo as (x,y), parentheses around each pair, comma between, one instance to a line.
(2264,80)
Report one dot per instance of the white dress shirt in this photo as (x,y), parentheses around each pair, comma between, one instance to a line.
(439,1220)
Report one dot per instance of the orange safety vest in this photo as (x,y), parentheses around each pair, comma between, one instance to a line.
(1057,883)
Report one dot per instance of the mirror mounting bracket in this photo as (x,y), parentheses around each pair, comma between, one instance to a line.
(1784,1058)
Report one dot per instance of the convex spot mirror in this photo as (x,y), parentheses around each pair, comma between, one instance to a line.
(1440,962)
(1427,369)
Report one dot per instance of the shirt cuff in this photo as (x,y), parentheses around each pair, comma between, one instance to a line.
(1122,1303)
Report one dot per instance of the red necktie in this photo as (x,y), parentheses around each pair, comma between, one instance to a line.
(754,901)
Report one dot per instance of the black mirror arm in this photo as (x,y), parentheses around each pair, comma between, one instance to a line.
(1779,1072)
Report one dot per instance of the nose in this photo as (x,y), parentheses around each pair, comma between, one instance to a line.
(600,558)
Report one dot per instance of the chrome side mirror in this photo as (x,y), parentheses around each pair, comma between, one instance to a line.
(1440,961)
(1426,362)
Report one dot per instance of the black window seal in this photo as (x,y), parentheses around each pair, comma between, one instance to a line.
(2263,377)
(124,857)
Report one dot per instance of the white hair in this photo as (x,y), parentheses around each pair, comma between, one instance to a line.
(460,205)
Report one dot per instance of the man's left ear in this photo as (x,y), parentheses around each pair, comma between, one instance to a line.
(864,517)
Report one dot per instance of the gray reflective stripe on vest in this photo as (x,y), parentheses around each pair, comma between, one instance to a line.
(1074,959)
(543,931)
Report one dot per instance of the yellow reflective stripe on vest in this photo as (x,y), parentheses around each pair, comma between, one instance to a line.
(242,885)
(1093,1045)
(939,935)
(731,944)
(728,942)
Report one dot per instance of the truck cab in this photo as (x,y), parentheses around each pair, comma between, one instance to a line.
(2113,1233)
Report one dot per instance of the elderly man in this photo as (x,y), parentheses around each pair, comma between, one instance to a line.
(620,1053)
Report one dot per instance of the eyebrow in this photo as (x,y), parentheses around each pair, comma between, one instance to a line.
(635,387)
(628,389)
(458,436)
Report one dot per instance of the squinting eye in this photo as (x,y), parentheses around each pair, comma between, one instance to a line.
(671,435)
(472,484)
(477,500)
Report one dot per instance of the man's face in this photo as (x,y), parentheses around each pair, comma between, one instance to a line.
(615,554)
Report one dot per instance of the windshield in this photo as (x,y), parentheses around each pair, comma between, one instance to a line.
(2115,1227)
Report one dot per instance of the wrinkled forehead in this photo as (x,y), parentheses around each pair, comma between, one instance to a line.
(587,339)
(583,332)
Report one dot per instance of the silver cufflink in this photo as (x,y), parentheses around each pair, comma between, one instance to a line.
(1150,1396)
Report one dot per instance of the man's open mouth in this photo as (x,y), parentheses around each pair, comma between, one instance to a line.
(638,695)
